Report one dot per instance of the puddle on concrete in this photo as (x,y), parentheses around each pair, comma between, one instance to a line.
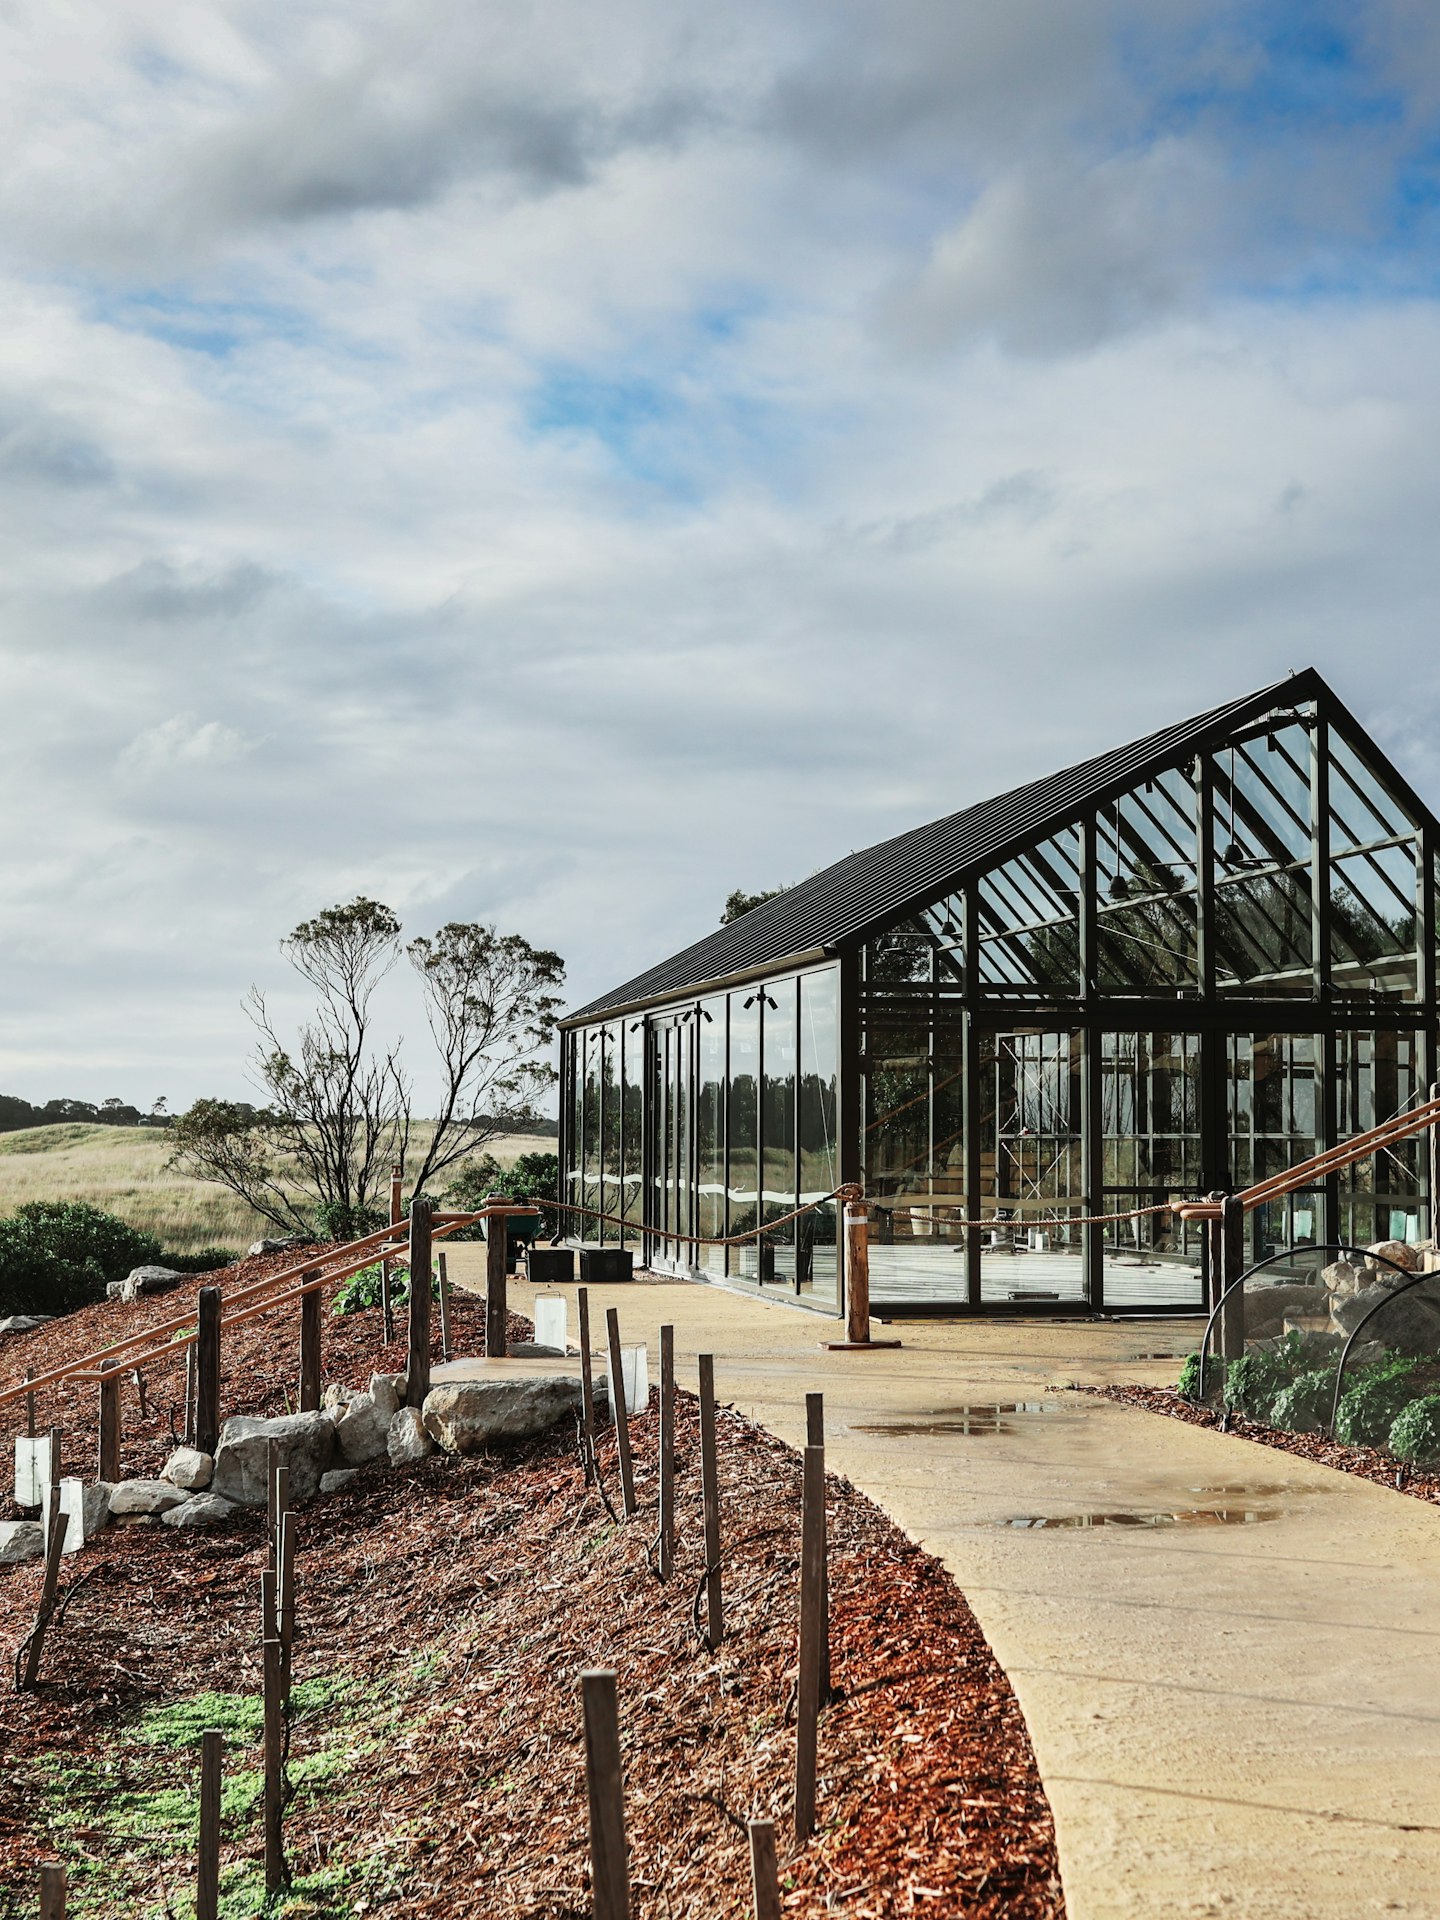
(1182,1517)
(1180,1355)
(970,1420)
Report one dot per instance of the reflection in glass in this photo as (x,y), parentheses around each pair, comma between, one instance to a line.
(815,1257)
(779,1061)
(710,1133)
(744,1124)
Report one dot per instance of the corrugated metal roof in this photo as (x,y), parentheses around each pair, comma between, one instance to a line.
(875,886)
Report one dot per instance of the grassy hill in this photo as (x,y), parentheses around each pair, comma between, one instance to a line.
(123,1170)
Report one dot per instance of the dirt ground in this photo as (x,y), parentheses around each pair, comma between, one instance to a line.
(445,1613)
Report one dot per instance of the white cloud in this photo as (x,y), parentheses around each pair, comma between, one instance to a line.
(181,744)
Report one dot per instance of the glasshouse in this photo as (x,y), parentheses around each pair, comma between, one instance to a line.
(1170,970)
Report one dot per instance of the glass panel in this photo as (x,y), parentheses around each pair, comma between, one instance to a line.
(1384,1197)
(815,1241)
(1361,810)
(1147,918)
(1274,1124)
(1029,919)
(744,1125)
(1032,1178)
(590,1149)
(610,1189)
(1263,933)
(573,1046)
(1150,1118)
(632,1163)
(778,1025)
(1373,923)
(710,1133)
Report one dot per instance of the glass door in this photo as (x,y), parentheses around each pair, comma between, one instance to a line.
(674,1184)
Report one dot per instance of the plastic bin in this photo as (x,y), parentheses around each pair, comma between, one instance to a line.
(601,1265)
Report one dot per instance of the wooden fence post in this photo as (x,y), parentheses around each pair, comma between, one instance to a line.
(815,1437)
(310,1356)
(207,1872)
(764,1870)
(444,1309)
(665,1551)
(273,1680)
(587,1386)
(29,1406)
(710,1494)
(604,1782)
(107,1466)
(417,1370)
(807,1712)
(496,1340)
(54,1549)
(622,1414)
(190,1394)
(857,1285)
(52,1891)
(207,1371)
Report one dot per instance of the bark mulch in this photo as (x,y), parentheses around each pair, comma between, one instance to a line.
(445,1613)
(1368,1462)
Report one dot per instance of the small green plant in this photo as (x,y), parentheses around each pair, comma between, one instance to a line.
(1304,1406)
(1253,1381)
(1189,1383)
(1371,1406)
(1416,1432)
(362,1290)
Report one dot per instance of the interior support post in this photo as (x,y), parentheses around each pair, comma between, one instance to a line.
(1092,1136)
(849,1119)
(973,1101)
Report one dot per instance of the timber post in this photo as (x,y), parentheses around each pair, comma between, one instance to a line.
(621,1413)
(665,1544)
(604,1781)
(207,1867)
(812,1639)
(497,1343)
(764,1870)
(444,1308)
(587,1386)
(1232,1265)
(857,1285)
(310,1358)
(207,1371)
(107,1464)
(710,1497)
(417,1371)
(52,1891)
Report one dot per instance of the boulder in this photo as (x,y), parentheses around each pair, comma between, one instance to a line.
(20,1540)
(532,1350)
(385,1394)
(1411,1325)
(336,1399)
(465,1416)
(141,1281)
(362,1430)
(200,1510)
(1403,1255)
(189,1469)
(407,1440)
(286,1245)
(1340,1278)
(305,1443)
(1267,1308)
(337,1478)
(144,1496)
(24,1322)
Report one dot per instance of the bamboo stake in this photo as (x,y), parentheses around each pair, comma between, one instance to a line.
(665,1555)
(764,1870)
(207,1873)
(710,1493)
(587,1386)
(622,1415)
(812,1590)
(609,1861)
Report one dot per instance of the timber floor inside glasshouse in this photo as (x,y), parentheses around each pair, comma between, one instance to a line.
(1229,1662)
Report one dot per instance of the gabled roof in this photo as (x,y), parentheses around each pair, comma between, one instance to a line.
(874,887)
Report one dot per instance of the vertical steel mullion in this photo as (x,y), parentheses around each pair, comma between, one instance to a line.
(849,1119)
(1205,875)
(1320,915)
(1092,1146)
(725,1134)
(973,1104)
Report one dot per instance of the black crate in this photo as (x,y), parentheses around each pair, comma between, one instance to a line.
(550,1266)
(598,1265)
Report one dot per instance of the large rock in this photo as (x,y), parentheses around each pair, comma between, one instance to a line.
(200,1510)
(141,1281)
(1411,1325)
(408,1441)
(145,1496)
(20,1540)
(189,1469)
(362,1431)
(386,1394)
(1267,1308)
(337,1478)
(305,1443)
(465,1416)
(1397,1251)
(287,1245)
(1340,1278)
(24,1322)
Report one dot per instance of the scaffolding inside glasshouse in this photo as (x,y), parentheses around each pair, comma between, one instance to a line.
(1171,970)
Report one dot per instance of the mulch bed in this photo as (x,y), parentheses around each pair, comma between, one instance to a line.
(1368,1462)
(468,1594)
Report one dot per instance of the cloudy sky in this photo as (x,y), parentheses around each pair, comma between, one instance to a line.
(553,464)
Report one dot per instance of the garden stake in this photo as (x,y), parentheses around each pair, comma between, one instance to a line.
(141,1393)
(207,1873)
(54,1547)
(207,1371)
(190,1395)
(310,1362)
(812,1599)
(496,1249)
(710,1491)
(622,1415)
(815,1437)
(764,1872)
(285,1591)
(444,1310)
(277,1875)
(52,1891)
(587,1386)
(665,1564)
(29,1407)
(609,1862)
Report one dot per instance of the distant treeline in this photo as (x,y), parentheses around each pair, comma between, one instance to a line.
(16,1113)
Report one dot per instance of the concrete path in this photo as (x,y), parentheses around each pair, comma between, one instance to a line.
(1233,1716)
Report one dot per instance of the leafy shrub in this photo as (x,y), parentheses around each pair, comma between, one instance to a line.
(1253,1381)
(1371,1406)
(334,1221)
(1416,1432)
(57,1255)
(1189,1383)
(534,1176)
(205,1261)
(1304,1406)
(362,1290)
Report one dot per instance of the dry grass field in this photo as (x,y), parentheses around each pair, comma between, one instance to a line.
(123,1170)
